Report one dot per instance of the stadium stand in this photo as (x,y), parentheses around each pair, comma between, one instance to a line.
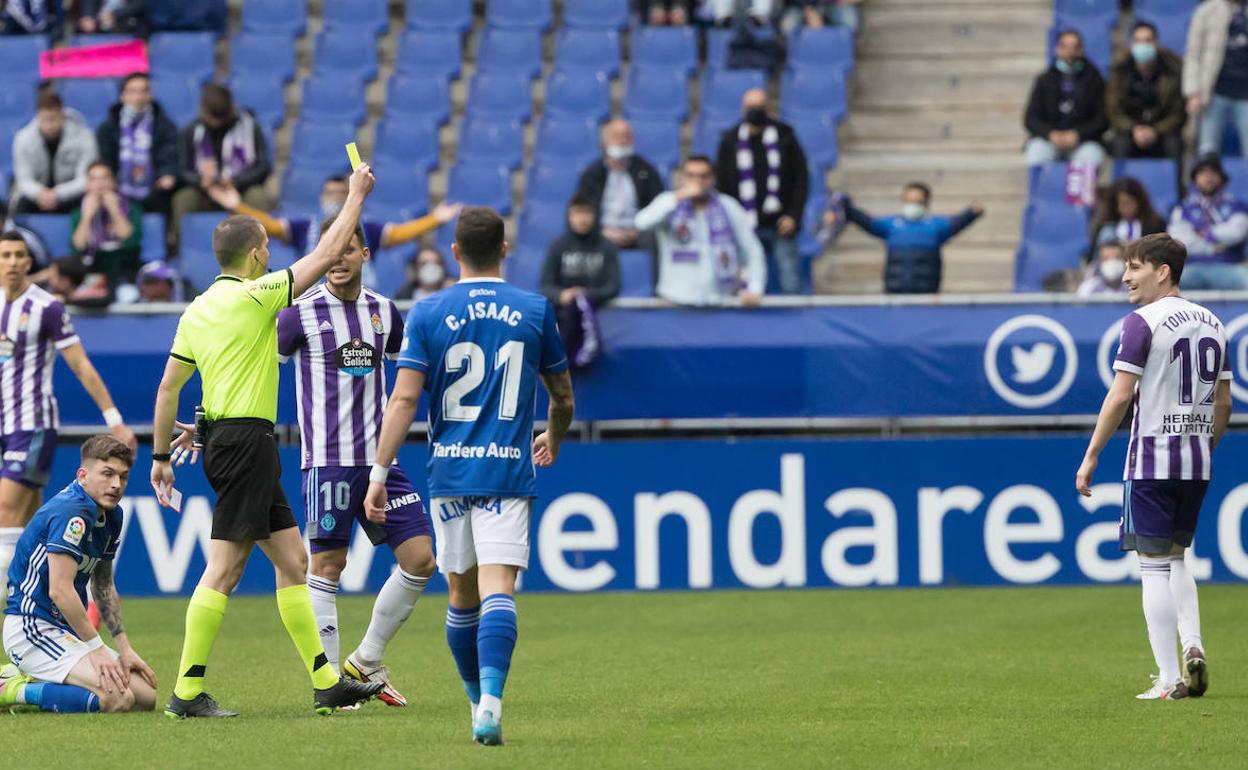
(361,16)
(670,48)
(592,50)
(289,17)
(429,54)
(450,15)
(351,51)
(532,15)
(253,54)
(1159,177)
(188,55)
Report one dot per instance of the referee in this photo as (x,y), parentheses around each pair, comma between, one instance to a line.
(229,333)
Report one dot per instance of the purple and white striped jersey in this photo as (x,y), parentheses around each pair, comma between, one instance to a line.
(33,328)
(337,348)
(1179,350)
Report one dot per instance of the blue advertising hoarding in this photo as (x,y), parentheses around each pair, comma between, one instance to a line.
(765,514)
(821,361)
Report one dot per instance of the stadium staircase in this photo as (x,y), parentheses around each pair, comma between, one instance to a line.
(938,97)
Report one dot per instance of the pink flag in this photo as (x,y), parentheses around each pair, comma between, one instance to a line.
(94,61)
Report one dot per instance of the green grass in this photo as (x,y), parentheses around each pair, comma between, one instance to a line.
(1003,678)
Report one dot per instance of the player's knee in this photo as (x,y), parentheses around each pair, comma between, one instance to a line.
(420,564)
(116,702)
(327,569)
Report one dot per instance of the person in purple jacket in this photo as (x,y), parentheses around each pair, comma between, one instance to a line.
(1213,224)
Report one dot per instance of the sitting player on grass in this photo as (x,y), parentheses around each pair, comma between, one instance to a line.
(63,664)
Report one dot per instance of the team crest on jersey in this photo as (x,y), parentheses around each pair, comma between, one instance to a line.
(75,530)
(377,327)
(327,522)
(682,232)
(22,320)
(6,348)
(357,358)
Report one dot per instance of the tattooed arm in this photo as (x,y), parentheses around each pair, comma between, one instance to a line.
(109,605)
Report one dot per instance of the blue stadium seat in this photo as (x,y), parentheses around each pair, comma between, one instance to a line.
(540,223)
(1098,44)
(446,15)
(52,228)
(1055,222)
(196,262)
(399,195)
(636,273)
(657,141)
(17,103)
(351,52)
(1172,25)
(153,246)
(524,268)
(361,16)
(7,129)
(333,97)
(718,42)
(510,51)
(566,138)
(817,135)
(707,132)
(656,94)
(313,140)
(1235,168)
(289,17)
(19,55)
(1166,5)
(179,98)
(90,96)
(722,89)
(100,39)
(390,267)
(415,97)
(268,54)
(1159,177)
(550,182)
(183,16)
(594,50)
(672,48)
(825,48)
(518,14)
(301,189)
(264,96)
(492,142)
(406,144)
(1103,12)
(1035,260)
(185,54)
(814,93)
(612,14)
(500,96)
(429,53)
(578,94)
(480,185)
(1048,183)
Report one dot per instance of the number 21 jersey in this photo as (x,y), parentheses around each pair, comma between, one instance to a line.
(1179,350)
(482,345)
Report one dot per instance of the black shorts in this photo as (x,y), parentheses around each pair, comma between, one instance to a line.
(241,463)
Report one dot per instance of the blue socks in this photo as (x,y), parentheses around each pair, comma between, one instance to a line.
(496,639)
(461,637)
(61,698)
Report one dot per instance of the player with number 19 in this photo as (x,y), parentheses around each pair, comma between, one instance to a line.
(479,347)
(1172,365)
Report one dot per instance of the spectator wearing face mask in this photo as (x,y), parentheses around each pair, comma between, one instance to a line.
(708,252)
(1144,99)
(139,143)
(426,275)
(1066,111)
(619,186)
(1104,274)
(1126,214)
(1213,224)
(1215,73)
(913,262)
(107,231)
(762,165)
(50,158)
(581,273)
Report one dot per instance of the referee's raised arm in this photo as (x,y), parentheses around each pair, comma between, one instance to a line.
(315,265)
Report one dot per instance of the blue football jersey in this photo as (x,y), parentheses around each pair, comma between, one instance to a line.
(70,524)
(482,345)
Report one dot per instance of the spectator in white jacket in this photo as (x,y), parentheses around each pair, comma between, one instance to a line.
(708,252)
(1213,224)
(50,158)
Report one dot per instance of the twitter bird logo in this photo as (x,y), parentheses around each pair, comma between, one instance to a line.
(1032,365)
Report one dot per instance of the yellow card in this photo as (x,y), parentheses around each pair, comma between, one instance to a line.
(354,155)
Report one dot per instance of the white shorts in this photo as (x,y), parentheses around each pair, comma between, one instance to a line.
(480,530)
(42,650)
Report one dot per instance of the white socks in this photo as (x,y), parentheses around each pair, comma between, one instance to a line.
(1161,616)
(324,595)
(1183,587)
(394,604)
(491,704)
(8,544)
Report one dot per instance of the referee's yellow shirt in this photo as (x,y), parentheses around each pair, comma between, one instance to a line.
(230,334)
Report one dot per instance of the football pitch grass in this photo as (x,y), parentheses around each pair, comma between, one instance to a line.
(992,678)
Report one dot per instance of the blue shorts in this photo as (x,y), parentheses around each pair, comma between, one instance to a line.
(27,456)
(334,497)
(1160,514)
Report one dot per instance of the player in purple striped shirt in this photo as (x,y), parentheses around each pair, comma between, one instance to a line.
(1172,365)
(33,327)
(337,333)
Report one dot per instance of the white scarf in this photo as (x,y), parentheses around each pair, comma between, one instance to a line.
(747,187)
